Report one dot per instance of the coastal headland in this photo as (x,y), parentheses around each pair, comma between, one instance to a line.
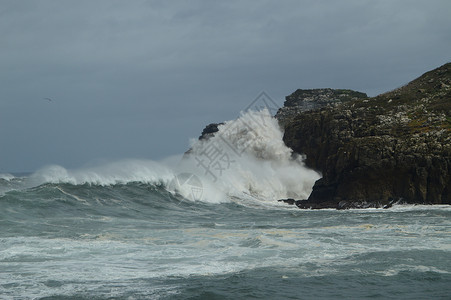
(372,151)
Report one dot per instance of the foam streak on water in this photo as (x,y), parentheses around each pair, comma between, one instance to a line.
(138,241)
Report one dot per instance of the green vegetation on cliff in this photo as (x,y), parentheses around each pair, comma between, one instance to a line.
(395,146)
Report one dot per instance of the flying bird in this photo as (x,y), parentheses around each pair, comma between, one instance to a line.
(48,99)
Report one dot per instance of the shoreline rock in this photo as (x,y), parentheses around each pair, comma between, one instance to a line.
(306,204)
(370,151)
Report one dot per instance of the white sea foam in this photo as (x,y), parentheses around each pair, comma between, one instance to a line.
(6,176)
(9,182)
(246,159)
(120,172)
(411,268)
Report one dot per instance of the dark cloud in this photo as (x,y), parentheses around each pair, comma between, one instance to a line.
(139,78)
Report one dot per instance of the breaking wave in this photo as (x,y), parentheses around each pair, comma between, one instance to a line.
(246,160)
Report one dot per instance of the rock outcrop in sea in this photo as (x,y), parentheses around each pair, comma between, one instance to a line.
(372,152)
(209,131)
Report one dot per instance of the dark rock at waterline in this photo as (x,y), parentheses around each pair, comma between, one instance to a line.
(370,151)
(311,204)
(288,201)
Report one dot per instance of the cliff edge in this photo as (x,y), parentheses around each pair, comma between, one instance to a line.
(374,151)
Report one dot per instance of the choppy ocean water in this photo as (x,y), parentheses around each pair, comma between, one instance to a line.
(211,229)
(138,241)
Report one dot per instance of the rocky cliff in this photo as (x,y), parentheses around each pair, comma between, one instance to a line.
(373,151)
(313,99)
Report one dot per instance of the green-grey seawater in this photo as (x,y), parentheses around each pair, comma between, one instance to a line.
(138,241)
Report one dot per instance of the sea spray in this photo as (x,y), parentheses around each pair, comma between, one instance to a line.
(120,172)
(247,158)
(112,231)
(246,161)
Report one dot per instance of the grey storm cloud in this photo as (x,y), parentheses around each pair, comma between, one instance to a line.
(139,78)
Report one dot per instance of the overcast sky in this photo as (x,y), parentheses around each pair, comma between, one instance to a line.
(138,79)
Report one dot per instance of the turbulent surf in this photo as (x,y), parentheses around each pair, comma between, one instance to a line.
(207,225)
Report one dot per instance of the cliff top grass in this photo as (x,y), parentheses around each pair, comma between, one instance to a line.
(426,101)
(433,89)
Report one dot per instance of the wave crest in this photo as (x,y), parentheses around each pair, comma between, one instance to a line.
(246,161)
(247,156)
(121,172)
